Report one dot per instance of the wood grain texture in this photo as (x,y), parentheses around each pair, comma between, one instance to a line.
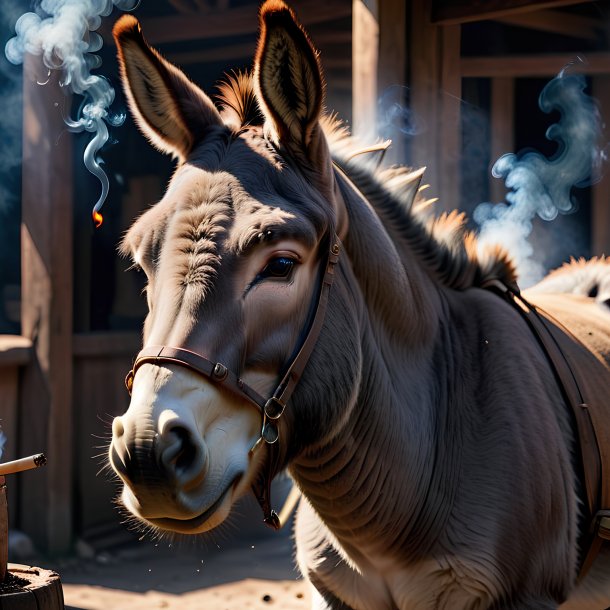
(451,12)
(46,313)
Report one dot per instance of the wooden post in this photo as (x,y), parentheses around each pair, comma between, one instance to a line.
(3,529)
(450,133)
(45,499)
(502,129)
(424,81)
(392,69)
(365,45)
(600,203)
(436,89)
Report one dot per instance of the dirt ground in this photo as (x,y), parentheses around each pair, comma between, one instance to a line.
(248,574)
(243,567)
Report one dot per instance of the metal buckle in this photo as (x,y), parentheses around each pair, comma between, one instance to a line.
(129,381)
(603,525)
(220,371)
(270,433)
(272,520)
(274,408)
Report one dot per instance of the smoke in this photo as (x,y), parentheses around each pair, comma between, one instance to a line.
(540,186)
(62,33)
(394,115)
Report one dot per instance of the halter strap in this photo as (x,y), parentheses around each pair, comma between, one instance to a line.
(272,408)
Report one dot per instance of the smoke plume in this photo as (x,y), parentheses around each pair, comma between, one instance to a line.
(541,186)
(62,33)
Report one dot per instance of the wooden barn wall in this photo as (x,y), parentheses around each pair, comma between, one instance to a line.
(15,353)
(101,361)
(60,391)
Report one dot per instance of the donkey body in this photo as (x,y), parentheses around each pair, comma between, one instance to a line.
(584,277)
(428,433)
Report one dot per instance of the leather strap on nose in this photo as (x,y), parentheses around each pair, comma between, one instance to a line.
(214,371)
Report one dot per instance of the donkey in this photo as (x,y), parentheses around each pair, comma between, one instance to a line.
(414,410)
(584,277)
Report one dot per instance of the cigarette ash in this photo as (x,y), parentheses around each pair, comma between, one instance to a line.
(13,584)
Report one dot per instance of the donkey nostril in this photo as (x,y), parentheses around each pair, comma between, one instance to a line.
(182,453)
(117,427)
(188,452)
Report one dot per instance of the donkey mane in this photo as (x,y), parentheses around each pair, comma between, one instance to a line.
(446,248)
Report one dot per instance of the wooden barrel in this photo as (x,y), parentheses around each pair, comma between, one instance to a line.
(30,588)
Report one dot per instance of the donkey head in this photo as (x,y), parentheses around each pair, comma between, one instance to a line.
(232,255)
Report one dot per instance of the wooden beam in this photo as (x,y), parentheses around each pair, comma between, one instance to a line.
(452,12)
(502,129)
(600,201)
(392,66)
(424,83)
(556,22)
(234,21)
(106,344)
(14,350)
(183,6)
(365,51)
(9,412)
(246,50)
(450,142)
(46,313)
(204,56)
(533,65)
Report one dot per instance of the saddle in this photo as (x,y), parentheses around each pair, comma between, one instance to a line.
(584,378)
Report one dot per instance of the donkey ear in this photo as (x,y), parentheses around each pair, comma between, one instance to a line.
(169,109)
(288,77)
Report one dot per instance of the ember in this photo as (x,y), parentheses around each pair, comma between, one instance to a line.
(98,219)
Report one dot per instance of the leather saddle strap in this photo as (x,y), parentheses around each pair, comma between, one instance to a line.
(589,421)
(589,446)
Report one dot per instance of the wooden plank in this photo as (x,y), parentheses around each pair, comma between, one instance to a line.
(234,21)
(534,65)
(452,12)
(450,144)
(424,83)
(228,53)
(556,22)
(365,50)
(100,394)
(105,344)
(392,67)
(46,313)
(14,350)
(3,529)
(600,212)
(224,53)
(9,415)
(502,129)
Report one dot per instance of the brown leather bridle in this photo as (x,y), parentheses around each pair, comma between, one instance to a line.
(272,408)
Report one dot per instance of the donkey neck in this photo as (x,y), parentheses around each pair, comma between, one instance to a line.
(398,293)
(373,483)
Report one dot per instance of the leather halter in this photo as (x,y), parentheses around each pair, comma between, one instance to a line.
(272,408)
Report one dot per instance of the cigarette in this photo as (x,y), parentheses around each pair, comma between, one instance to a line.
(27,463)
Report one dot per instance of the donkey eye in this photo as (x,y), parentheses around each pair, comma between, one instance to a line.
(277,267)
